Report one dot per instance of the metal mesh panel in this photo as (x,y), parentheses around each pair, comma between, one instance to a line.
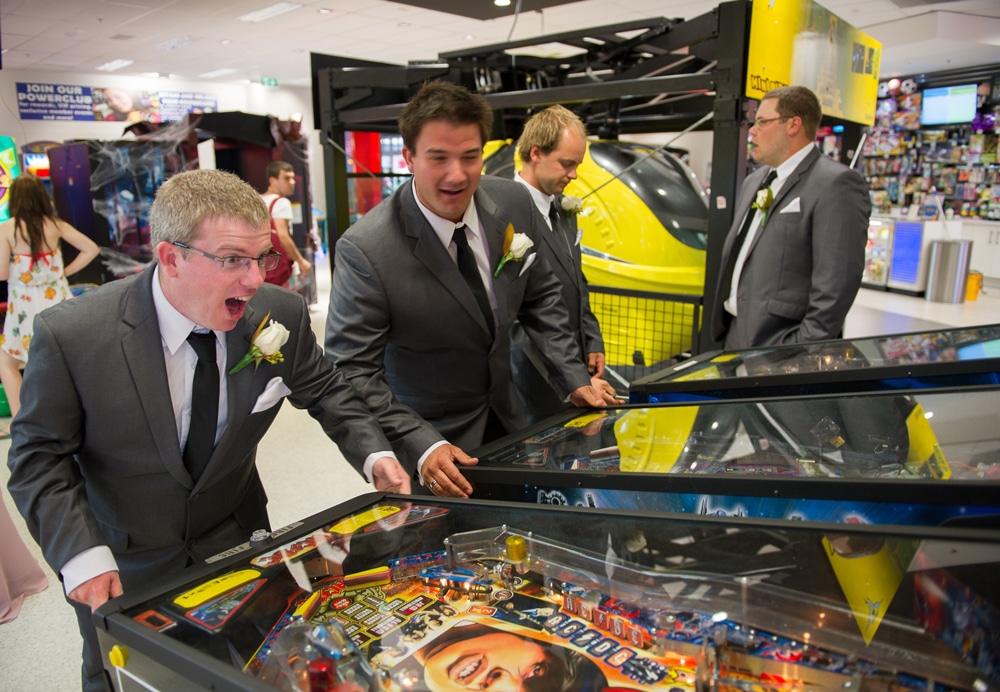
(644,331)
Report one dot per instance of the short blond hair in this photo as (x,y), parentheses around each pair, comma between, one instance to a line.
(189,199)
(544,129)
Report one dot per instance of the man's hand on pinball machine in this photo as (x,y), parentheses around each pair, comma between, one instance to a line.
(590,397)
(389,476)
(441,475)
(97,591)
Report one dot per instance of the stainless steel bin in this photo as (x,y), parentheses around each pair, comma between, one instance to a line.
(948,270)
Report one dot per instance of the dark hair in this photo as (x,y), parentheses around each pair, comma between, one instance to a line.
(275,168)
(798,101)
(30,206)
(452,103)
(571,670)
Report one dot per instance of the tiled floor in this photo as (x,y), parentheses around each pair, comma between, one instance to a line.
(304,473)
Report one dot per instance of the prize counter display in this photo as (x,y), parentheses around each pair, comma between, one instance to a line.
(402,593)
(951,358)
(929,457)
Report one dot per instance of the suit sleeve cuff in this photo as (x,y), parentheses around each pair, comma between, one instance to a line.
(370,463)
(91,563)
(423,458)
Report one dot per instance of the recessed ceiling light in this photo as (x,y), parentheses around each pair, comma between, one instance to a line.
(324,10)
(113,65)
(225,41)
(403,25)
(470,37)
(501,3)
(217,73)
(269,11)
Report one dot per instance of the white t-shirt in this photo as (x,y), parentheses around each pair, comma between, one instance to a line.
(282,208)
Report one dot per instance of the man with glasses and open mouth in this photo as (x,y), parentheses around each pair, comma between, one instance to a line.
(134,453)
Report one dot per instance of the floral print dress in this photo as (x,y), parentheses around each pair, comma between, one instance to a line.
(32,286)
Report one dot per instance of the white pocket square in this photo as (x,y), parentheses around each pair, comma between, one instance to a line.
(274,392)
(791,207)
(527,263)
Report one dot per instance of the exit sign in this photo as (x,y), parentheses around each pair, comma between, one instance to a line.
(269,81)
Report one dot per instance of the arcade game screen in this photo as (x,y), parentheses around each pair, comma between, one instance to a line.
(402,594)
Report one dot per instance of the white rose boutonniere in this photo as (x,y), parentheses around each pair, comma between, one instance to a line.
(515,247)
(571,205)
(763,200)
(265,345)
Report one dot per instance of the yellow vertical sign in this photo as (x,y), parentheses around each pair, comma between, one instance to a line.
(801,42)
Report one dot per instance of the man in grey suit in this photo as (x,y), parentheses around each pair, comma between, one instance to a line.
(421,305)
(792,263)
(552,146)
(124,475)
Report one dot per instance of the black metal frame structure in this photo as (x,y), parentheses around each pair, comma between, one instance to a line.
(658,75)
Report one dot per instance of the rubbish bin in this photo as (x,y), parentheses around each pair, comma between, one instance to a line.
(948,271)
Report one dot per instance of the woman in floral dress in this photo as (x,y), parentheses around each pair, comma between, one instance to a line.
(32,265)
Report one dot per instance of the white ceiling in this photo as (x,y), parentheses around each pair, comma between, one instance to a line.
(75,36)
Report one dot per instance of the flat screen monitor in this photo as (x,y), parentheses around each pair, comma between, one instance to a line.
(949,105)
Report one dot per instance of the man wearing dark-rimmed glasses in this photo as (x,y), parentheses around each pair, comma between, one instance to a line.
(103,463)
(794,256)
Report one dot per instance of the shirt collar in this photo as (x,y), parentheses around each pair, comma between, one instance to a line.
(443,228)
(174,327)
(789,165)
(541,200)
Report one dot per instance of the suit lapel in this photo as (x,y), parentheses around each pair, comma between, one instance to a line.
(787,187)
(558,242)
(800,171)
(495,228)
(427,248)
(150,374)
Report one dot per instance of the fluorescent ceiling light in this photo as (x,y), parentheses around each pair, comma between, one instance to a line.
(501,3)
(555,51)
(175,43)
(113,65)
(270,11)
(218,73)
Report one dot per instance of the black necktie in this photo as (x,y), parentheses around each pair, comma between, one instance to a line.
(727,276)
(470,272)
(559,225)
(204,405)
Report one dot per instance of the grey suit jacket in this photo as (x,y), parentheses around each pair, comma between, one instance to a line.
(534,381)
(405,328)
(95,458)
(804,267)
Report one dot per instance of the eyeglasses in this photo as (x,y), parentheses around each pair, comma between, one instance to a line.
(761,122)
(236,263)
